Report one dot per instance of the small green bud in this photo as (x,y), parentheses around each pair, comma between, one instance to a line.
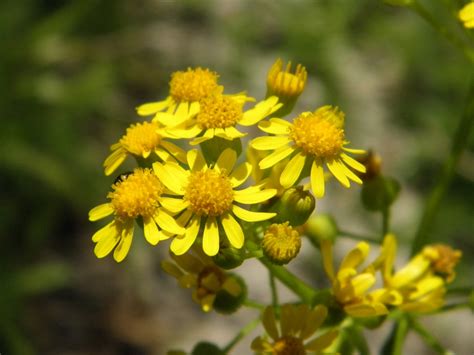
(294,206)
(228,258)
(379,193)
(232,295)
(206,348)
(321,227)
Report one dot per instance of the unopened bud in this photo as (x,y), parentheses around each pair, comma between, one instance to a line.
(228,258)
(281,243)
(231,296)
(295,206)
(379,193)
(320,227)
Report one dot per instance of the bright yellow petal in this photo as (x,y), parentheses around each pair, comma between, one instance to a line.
(173,205)
(226,161)
(234,133)
(196,160)
(356,256)
(220,132)
(338,173)
(172,176)
(348,172)
(269,142)
(233,230)
(150,230)
(354,151)
(114,161)
(182,112)
(100,212)
(105,245)
(275,126)
(317,178)
(185,133)
(181,245)
(467,12)
(210,239)
(240,174)
(353,163)
(152,107)
(292,170)
(260,111)
(175,151)
(194,108)
(250,216)
(208,134)
(105,232)
(276,156)
(251,196)
(168,223)
(327,255)
(168,119)
(364,310)
(123,247)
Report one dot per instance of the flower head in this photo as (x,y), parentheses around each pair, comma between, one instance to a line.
(208,197)
(196,270)
(285,84)
(281,243)
(137,195)
(466,15)
(140,140)
(315,137)
(290,335)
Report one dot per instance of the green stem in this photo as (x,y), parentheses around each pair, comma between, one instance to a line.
(240,335)
(442,30)
(254,304)
(305,292)
(385,221)
(274,290)
(394,342)
(427,337)
(461,139)
(357,236)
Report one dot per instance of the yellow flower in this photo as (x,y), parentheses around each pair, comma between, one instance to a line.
(284,84)
(317,138)
(298,323)
(186,89)
(281,243)
(218,116)
(197,271)
(137,195)
(269,178)
(350,287)
(140,140)
(418,282)
(466,15)
(209,197)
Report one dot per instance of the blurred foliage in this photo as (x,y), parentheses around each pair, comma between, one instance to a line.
(71,73)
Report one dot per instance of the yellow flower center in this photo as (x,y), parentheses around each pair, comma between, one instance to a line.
(281,243)
(193,84)
(140,138)
(443,259)
(285,83)
(288,345)
(320,133)
(136,194)
(218,111)
(209,193)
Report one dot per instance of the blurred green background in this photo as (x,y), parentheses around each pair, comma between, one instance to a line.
(71,74)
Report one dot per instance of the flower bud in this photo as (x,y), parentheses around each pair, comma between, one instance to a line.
(206,348)
(295,206)
(228,258)
(231,296)
(373,166)
(320,227)
(281,243)
(379,193)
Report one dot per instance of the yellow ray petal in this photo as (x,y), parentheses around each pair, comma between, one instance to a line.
(338,173)
(275,157)
(168,119)
(210,240)
(356,256)
(188,133)
(100,212)
(173,205)
(354,151)
(123,247)
(292,170)
(234,133)
(153,107)
(182,112)
(208,134)
(172,176)
(150,230)
(175,151)
(322,342)
(196,160)
(269,323)
(349,173)
(269,142)
(327,255)
(353,163)
(275,126)
(168,223)
(240,174)
(115,162)
(250,216)
(226,161)
(317,178)
(315,319)
(251,196)
(105,245)
(105,232)
(181,245)
(233,230)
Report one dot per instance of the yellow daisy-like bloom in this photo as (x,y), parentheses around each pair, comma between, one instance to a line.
(186,89)
(218,116)
(281,243)
(140,140)
(285,84)
(137,195)
(209,198)
(351,287)
(198,272)
(466,15)
(315,137)
(418,282)
(290,335)
(269,178)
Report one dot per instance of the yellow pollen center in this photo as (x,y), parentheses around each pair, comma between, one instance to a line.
(317,134)
(288,345)
(141,138)
(209,193)
(281,243)
(136,194)
(443,259)
(193,84)
(218,111)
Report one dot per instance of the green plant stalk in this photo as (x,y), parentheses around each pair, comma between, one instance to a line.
(394,343)
(305,292)
(442,30)
(274,290)
(253,304)
(427,337)
(240,335)
(460,140)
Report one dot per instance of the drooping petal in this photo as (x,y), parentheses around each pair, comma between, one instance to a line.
(172,176)
(150,230)
(348,172)
(356,256)
(233,230)
(315,319)
(247,196)
(105,232)
(175,151)
(276,156)
(226,160)
(100,212)
(275,126)
(234,133)
(317,178)
(210,240)
(181,245)
(153,107)
(173,205)
(270,142)
(208,134)
(123,247)
(269,323)
(168,223)
(240,174)
(292,170)
(105,245)
(196,160)
(250,216)
(353,163)
(338,173)
(185,133)
(114,161)
(322,342)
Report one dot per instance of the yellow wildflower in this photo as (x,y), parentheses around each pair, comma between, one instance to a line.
(140,140)
(466,15)
(317,138)
(297,324)
(137,195)
(285,84)
(281,243)
(209,197)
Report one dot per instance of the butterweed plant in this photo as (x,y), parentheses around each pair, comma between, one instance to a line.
(218,204)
